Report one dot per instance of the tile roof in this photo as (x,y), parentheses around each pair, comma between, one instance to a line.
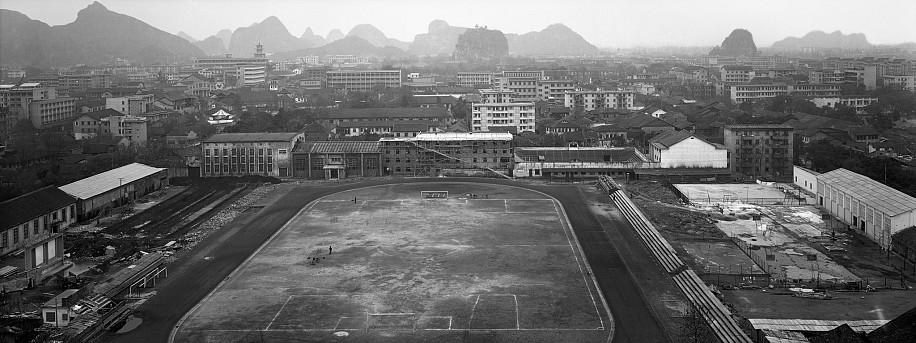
(813,325)
(98,115)
(339,147)
(402,112)
(252,137)
(898,330)
(455,136)
(32,205)
(669,138)
(110,180)
(841,334)
(882,197)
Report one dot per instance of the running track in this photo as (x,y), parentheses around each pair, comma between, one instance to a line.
(192,278)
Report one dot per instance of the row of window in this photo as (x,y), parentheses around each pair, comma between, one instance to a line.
(34,227)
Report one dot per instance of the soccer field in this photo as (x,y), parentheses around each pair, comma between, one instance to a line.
(503,266)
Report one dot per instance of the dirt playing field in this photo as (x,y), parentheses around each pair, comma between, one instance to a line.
(408,269)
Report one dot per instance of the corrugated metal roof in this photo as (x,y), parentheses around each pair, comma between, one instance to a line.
(882,197)
(107,181)
(814,325)
(340,147)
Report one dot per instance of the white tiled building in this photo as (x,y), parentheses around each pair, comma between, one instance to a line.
(592,100)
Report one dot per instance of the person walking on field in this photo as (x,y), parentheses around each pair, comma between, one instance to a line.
(330,249)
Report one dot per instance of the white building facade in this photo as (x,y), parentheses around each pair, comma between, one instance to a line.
(681,149)
(498,109)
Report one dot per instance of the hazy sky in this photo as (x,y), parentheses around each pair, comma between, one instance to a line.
(602,22)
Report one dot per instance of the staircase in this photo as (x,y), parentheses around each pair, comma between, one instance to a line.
(459,160)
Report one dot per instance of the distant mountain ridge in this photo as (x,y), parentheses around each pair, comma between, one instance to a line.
(739,43)
(375,36)
(440,38)
(556,39)
(345,46)
(821,39)
(99,35)
(96,36)
(270,32)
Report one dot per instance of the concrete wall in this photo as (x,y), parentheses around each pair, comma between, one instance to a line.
(862,216)
(693,153)
(804,178)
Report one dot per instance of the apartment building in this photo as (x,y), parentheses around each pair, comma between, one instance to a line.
(523,83)
(134,128)
(100,80)
(592,100)
(451,153)
(18,97)
(52,112)
(132,104)
(554,91)
(859,103)
(827,76)
(251,75)
(736,74)
(363,80)
(760,151)
(749,92)
(236,154)
(499,110)
(908,82)
(471,79)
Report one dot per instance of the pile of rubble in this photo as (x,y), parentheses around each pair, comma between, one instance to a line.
(226,215)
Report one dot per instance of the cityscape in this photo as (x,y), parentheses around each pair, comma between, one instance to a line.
(517,171)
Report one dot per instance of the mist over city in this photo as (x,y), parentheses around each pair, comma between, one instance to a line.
(454,171)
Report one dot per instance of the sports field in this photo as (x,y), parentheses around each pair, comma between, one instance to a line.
(503,267)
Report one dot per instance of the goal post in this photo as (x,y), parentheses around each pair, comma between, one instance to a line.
(434,194)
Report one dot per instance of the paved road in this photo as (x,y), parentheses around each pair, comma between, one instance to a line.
(196,277)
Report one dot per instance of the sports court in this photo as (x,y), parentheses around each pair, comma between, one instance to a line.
(502,266)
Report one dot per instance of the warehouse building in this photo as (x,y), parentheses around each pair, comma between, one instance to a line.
(110,189)
(336,160)
(876,210)
(34,224)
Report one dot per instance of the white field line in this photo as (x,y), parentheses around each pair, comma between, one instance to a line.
(278,313)
(472,311)
(566,230)
(450,329)
(517,325)
(506,202)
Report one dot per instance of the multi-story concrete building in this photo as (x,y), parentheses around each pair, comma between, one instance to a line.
(88,125)
(908,82)
(763,150)
(416,114)
(827,76)
(500,111)
(749,92)
(433,154)
(523,83)
(471,79)
(859,103)
(231,63)
(872,208)
(736,74)
(51,112)
(554,91)
(132,104)
(18,97)
(133,128)
(234,154)
(592,100)
(363,80)
(100,80)
(251,75)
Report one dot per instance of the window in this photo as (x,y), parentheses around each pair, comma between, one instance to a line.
(15,235)
(281,151)
(50,317)
(63,317)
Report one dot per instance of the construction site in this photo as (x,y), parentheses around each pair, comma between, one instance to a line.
(771,254)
